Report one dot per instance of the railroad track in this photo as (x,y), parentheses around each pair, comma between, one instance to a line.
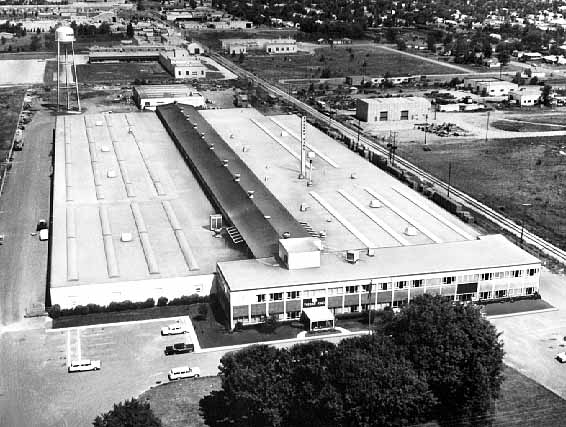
(494,216)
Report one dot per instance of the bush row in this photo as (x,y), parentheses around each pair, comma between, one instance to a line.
(55,311)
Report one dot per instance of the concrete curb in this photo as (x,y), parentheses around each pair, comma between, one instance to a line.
(522,313)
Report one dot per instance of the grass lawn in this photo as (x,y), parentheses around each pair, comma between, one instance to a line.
(121,316)
(519,126)
(212,332)
(522,402)
(10,104)
(121,72)
(340,63)
(521,177)
(516,307)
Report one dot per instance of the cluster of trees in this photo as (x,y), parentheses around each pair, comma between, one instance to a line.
(433,361)
(85,30)
(131,413)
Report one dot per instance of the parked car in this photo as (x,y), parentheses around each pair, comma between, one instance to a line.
(183,372)
(174,329)
(84,365)
(561,357)
(179,348)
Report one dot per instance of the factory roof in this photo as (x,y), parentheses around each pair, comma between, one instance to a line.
(488,252)
(260,221)
(125,206)
(166,91)
(351,203)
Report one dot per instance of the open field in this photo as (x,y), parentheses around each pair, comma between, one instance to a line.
(523,402)
(340,63)
(521,177)
(121,72)
(10,104)
(532,121)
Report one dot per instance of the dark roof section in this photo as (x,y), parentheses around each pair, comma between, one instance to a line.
(231,198)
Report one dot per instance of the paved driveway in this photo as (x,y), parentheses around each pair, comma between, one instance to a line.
(532,340)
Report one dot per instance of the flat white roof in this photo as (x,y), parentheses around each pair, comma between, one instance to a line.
(318,314)
(488,252)
(339,203)
(126,206)
(397,100)
(166,91)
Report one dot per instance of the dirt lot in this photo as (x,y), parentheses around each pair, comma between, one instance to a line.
(521,177)
(523,402)
(341,63)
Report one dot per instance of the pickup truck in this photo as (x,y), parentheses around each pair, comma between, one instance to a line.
(179,348)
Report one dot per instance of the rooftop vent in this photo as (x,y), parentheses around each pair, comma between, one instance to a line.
(374,203)
(303,207)
(286,235)
(411,231)
(225,163)
(354,176)
(126,237)
(251,194)
(237,177)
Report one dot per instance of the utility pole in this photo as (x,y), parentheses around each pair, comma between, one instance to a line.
(449,176)
(486,126)
(426,128)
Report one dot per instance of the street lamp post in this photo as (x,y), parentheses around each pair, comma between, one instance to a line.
(523,224)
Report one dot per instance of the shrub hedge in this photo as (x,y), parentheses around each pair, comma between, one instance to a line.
(55,311)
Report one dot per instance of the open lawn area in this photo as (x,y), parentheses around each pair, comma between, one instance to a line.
(121,72)
(522,178)
(211,332)
(523,402)
(10,104)
(340,62)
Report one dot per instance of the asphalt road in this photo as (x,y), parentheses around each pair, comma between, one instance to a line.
(23,258)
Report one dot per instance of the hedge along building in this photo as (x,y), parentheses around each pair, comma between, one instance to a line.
(128,216)
(352,240)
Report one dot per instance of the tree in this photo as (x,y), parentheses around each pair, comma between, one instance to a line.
(457,350)
(503,57)
(131,413)
(378,385)
(130,30)
(546,94)
(241,57)
(401,45)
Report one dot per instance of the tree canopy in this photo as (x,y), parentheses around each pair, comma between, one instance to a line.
(131,413)
(435,360)
(458,352)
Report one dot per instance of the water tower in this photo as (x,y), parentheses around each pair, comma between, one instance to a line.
(65,38)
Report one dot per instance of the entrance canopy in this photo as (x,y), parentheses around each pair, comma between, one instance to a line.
(319,317)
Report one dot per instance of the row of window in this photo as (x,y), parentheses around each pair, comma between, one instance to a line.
(384,115)
(401,284)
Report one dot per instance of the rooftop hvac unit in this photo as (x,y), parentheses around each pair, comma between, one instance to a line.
(251,194)
(354,176)
(283,133)
(111,173)
(286,235)
(371,252)
(374,203)
(126,237)
(104,148)
(352,256)
(237,177)
(98,123)
(411,231)
(225,163)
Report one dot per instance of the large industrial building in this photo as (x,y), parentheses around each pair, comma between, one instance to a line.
(182,65)
(392,109)
(297,232)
